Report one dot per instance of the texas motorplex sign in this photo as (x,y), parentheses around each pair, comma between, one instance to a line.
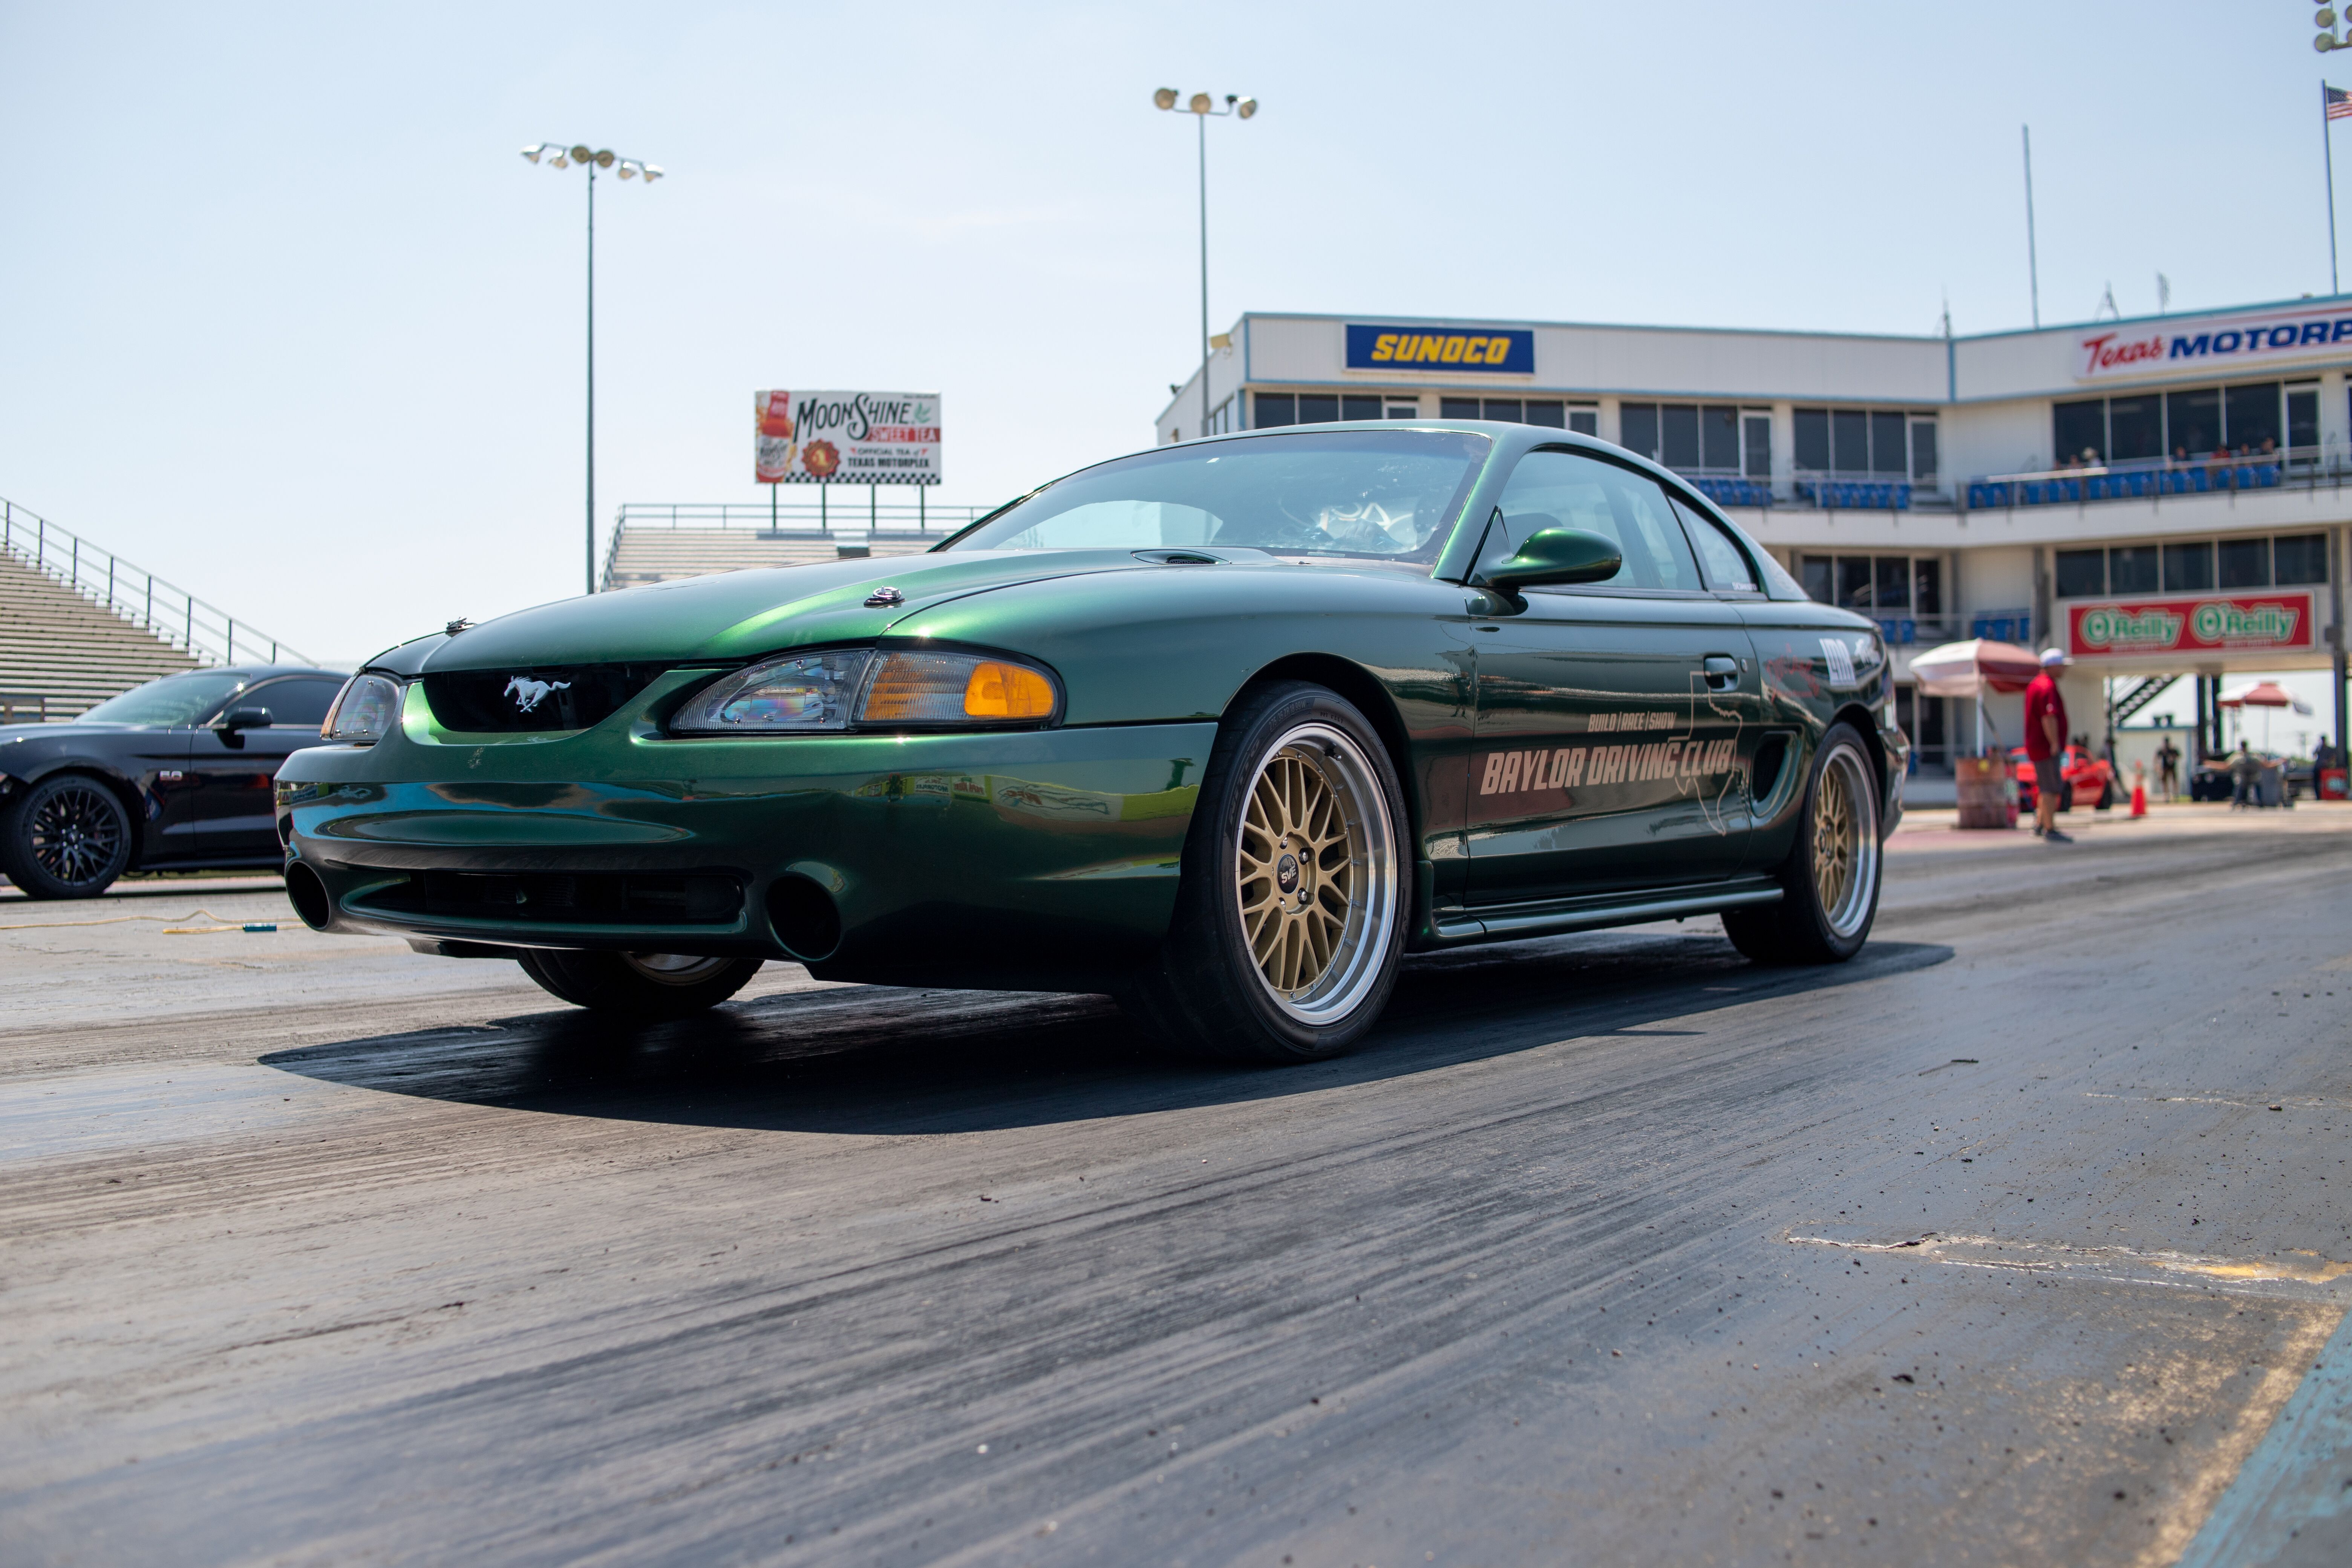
(1491,350)
(2276,622)
(2219,344)
(846,437)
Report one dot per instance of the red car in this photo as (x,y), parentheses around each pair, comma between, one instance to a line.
(2091,779)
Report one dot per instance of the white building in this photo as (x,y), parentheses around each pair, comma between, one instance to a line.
(2161,497)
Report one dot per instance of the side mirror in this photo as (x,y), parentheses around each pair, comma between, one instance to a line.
(1556,555)
(244,718)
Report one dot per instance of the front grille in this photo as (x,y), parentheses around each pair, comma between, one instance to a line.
(551,697)
(558,898)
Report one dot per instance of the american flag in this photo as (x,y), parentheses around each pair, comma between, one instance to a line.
(2340,103)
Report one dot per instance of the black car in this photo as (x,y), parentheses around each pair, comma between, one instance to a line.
(171,775)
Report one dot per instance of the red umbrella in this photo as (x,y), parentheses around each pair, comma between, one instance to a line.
(2262,694)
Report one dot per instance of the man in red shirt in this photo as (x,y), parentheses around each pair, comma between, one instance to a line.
(2046,745)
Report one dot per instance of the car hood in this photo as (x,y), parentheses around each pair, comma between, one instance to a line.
(732,616)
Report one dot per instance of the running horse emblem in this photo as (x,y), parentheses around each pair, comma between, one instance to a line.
(529,693)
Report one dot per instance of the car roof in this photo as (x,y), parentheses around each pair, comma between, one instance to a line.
(261,672)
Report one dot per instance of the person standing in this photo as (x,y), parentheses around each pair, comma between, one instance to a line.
(2168,768)
(2046,745)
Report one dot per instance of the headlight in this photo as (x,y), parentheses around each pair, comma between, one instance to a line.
(860,688)
(365,710)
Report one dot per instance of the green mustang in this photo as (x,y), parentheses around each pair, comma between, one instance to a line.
(1223,729)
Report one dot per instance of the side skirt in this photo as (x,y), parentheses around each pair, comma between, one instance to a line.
(1507,922)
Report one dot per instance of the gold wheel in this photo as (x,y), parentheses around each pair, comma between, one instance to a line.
(1846,840)
(1314,873)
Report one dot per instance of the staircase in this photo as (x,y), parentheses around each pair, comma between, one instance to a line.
(640,555)
(78,624)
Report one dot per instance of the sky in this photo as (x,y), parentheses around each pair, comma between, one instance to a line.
(290,323)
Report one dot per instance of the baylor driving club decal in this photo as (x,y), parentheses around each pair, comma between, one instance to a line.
(1706,770)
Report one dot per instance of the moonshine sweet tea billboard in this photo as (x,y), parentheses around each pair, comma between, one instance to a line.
(847,438)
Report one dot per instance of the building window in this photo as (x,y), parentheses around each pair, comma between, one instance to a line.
(1549,414)
(1359,407)
(1276,408)
(2194,566)
(2187,568)
(2300,558)
(1866,444)
(1688,437)
(1584,418)
(2195,423)
(1457,408)
(1318,407)
(2302,416)
(2245,563)
(1756,461)
(2132,569)
(1897,586)
(2082,573)
(1405,410)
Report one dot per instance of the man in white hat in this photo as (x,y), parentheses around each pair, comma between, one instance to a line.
(2046,745)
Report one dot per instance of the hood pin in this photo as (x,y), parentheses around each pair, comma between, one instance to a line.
(882,597)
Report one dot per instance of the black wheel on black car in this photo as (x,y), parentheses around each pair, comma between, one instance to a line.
(1291,908)
(66,837)
(643,986)
(1829,879)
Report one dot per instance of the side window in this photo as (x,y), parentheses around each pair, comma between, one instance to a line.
(1719,555)
(1568,490)
(301,703)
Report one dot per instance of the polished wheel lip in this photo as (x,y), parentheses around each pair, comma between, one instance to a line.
(1846,840)
(1318,932)
(75,834)
(674,968)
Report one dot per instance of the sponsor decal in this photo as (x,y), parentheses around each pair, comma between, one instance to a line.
(1505,351)
(2277,335)
(1577,767)
(2255,623)
(1841,662)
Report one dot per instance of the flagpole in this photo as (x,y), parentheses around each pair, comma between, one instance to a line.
(2328,146)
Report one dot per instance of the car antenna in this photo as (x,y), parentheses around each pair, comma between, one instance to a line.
(453,628)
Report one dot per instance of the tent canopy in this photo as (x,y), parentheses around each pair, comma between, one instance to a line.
(1973,667)
(2262,694)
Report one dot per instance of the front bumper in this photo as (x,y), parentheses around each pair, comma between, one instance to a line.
(1002,859)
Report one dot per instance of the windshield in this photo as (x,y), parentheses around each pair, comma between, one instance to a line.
(1384,494)
(174,699)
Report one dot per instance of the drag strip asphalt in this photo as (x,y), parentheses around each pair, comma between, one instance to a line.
(2008,1242)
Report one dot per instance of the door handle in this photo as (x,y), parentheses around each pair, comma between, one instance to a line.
(1722,672)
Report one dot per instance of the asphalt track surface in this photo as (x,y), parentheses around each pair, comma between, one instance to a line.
(2006,1243)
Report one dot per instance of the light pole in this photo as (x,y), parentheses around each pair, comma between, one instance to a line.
(630,168)
(1203,107)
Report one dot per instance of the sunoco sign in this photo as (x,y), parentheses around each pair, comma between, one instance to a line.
(2138,628)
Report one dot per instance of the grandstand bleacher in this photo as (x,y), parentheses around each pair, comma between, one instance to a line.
(78,624)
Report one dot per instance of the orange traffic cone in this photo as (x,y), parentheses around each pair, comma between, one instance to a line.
(2139,797)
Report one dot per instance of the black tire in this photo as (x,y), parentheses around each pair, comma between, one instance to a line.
(642,987)
(66,837)
(1823,917)
(1256,969)
(2107,795)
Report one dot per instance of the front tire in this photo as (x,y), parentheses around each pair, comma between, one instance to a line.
(1830,881)
(640,987)
(1291,908)
(66,837)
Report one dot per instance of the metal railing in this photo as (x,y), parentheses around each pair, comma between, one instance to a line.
(207,633)
(36,703)
(874,516)
(2151,478)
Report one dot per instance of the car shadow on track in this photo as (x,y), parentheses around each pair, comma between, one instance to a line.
(880,1059)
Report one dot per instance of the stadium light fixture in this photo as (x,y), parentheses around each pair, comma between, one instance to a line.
(630,168)
(1204,108)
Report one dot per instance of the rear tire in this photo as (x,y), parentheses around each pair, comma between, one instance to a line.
(66,837)
(1292,907)
(1829,880)
(638,986)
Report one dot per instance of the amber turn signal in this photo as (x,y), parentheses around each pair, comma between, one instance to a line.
(998,690)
